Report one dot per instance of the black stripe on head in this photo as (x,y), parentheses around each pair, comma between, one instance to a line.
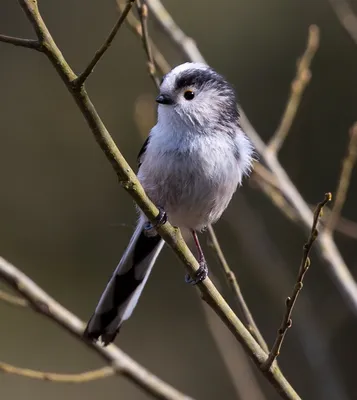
(201,77)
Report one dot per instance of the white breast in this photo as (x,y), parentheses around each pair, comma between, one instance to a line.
(191,176)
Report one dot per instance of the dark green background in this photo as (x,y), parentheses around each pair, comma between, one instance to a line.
(65,221)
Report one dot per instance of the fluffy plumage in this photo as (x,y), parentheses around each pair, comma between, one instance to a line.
(191,164)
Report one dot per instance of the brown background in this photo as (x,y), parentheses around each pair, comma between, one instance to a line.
(65,221)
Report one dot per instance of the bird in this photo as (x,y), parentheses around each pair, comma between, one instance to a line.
(190,165)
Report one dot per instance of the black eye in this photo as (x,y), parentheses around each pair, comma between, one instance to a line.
(189,95)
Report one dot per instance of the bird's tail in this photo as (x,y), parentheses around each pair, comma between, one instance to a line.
(125,286)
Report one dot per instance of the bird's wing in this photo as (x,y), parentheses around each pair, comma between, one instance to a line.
(142,152)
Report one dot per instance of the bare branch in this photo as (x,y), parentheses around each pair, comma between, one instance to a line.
(13,300)
(346,16)
(290,301)
(82,377)
(236,361)
(344,181)
(121,363)
(303,76)
(143,13)
(129,181)
(99,54)
(186,44)
(233,283)
(29,43)
(135,26)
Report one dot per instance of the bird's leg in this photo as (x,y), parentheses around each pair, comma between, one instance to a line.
(160,220)
(202,271)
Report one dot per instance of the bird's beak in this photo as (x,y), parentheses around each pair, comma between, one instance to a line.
(164,99)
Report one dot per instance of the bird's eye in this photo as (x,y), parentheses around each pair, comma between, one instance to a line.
(189,95)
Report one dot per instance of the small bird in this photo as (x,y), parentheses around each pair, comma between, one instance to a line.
(190,166)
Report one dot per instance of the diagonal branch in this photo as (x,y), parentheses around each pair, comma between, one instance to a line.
(290,301)
(121,363)
(344,181)
(13,300)
(99,54)
(346,16)
(328,250)
(302,79)
(129,181)
(82,377)
(29,43)
(233,283)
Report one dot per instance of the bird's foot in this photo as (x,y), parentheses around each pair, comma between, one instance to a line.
(160,220)
(200,275)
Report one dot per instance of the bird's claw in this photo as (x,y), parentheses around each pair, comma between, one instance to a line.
(200,275)
(160,220)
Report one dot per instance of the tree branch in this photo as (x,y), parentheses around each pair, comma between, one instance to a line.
(302,79)
(233,283)
(129,181)
(143,14)
(82,377)
(346,16)
(344,181)
(13,300)
(121,363)
(329,252)
(99,54)
(290,301)
(29,43)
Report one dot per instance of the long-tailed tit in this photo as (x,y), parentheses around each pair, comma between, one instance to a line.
(190,165)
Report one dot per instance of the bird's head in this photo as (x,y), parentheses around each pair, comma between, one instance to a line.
(198,96)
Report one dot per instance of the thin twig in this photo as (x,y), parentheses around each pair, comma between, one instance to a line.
(329,252)
(131,184)
(120,362)
(290,301)
(13,300)
(346,16)
(269,185)
(239,369)
(29,43)
(82,377)
(233,283)
(99,54)
(186,44)
(302,78)
(344,181)
(134,24)
(143,14)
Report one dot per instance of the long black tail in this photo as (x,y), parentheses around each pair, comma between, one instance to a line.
(124,287)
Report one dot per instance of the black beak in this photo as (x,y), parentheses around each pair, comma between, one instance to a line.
(164,99)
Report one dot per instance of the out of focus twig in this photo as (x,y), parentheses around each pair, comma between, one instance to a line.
(120,363)
(99,54)
(143,14)
(302,78)
(290,301)
(346,16)
(236,361)
(344,181)
(82,377)
(135,26)
(269,185)
(233,283)
(12,299)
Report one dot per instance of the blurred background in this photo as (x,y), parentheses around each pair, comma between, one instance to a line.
(65,221)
